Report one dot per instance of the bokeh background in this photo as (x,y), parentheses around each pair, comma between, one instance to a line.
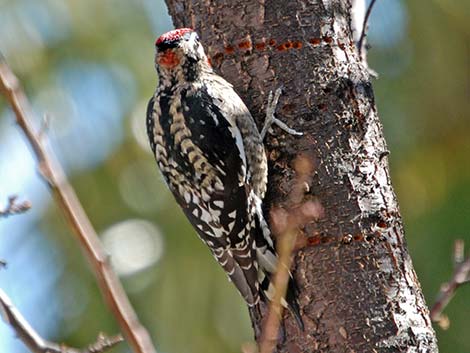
(88,66)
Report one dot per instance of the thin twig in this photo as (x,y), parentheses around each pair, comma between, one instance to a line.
(68,202)
(287,224)
(36,343)
(14,207)
(364,27)
(269,336)
(460,276)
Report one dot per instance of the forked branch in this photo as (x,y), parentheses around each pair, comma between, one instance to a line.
(36,343)
(13,207)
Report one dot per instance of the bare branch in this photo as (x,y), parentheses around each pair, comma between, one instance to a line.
(460,276)
(36,343)
(14,207)
(68,202)
(103,343)
(360,44)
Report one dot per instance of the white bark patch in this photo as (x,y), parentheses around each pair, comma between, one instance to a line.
(340,54)
(366,173)
(358,13)
(407,316)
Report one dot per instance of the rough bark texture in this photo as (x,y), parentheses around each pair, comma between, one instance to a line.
(359,292)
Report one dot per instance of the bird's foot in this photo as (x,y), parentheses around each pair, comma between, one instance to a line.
(273,100)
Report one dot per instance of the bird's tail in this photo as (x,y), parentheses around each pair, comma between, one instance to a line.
(289,301)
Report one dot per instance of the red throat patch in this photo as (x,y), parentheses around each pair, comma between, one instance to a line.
(168,59)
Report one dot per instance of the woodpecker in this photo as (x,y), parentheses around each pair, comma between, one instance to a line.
(212,157)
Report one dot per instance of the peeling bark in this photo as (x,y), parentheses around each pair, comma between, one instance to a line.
(358,290)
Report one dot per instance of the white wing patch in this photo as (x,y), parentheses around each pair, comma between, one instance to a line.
(235,131)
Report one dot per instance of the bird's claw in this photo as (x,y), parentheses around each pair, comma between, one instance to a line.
(273,100)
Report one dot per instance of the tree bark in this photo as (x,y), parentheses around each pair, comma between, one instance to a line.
(358,289)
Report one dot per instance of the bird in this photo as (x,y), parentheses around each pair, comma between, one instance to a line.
(212,157)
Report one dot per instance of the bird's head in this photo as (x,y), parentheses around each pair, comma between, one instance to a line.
(178,50)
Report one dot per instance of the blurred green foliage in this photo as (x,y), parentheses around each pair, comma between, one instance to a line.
(182,297)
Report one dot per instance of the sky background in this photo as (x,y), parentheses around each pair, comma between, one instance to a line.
(88,66)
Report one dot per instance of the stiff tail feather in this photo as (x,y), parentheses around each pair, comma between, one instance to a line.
(289,301)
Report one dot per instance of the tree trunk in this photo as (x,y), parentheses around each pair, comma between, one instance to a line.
(358,290)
